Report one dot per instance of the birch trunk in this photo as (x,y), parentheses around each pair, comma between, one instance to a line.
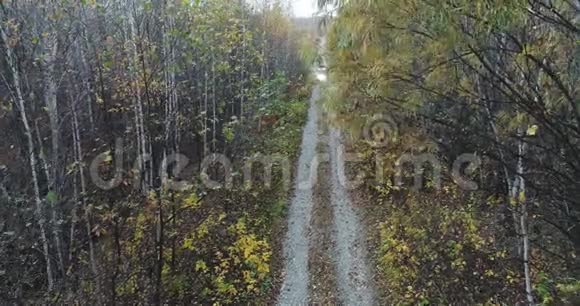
(214,118)
(512,193)
(76,201)
(87,86)
(170,90)
(138,103)
(205,146)
(19,101)
(55,226)
(242,70)
(41,153)
(50,98)
(85,69)
(86,208)
(524,221)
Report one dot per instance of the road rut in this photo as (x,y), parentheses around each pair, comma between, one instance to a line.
(294,289)
(349,252)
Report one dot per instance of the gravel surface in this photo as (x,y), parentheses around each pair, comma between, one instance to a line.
(321,259)
(294,289)
(323,223)
(353,274)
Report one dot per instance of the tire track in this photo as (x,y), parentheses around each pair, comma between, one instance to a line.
(321,262)
(338,261)
(294,290)
(353,274)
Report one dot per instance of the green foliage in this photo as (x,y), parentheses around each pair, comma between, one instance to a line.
(184,77)
(434,248)
(278,209)
(51,197)
(569,291)
(461,76)
(544,289)
(229,133)
(308,51)
(284,136)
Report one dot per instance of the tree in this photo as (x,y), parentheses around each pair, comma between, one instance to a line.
(163,78)
(492,78)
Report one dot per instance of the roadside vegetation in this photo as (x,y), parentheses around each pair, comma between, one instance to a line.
(100,101)
(497,80)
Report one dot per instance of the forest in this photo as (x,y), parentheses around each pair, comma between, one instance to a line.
(498,80)
(227,152)
(99,99)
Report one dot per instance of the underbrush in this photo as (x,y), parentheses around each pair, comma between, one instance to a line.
(433,245)
(200,245)
(444,245)
(222,245)
(244,270)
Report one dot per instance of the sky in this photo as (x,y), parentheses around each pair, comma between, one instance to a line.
(304,8)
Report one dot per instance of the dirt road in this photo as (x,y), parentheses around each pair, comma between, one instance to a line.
(294,289)
(324,248)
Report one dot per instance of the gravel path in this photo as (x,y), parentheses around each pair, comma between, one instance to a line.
(294,289)
(345,263)
(353,274)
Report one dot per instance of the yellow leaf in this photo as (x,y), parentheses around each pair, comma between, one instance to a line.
(522,197)
(200,265)
(532,130)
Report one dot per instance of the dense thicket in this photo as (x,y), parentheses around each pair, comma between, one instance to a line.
(498,79)
(133,82)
